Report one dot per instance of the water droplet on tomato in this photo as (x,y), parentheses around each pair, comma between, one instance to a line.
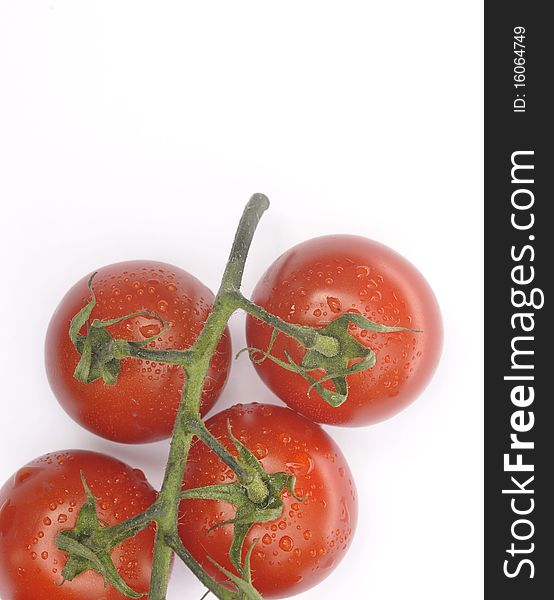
(334,304)
(62,518)
(260,451)
(266,539)
(24,474)
(150,330)
(344,514)
(286,544)
(301,464)
(44,555)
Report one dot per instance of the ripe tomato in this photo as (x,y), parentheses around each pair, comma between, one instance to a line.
(142,405)
(44,498)
(323,278)
(298,550)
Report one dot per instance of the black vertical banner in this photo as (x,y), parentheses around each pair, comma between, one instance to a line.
(519,321)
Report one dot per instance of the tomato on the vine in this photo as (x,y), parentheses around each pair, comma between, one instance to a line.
(323,278)
(142,405)
(43,498)
(299,549)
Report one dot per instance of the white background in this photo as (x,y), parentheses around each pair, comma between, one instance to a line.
(139,129)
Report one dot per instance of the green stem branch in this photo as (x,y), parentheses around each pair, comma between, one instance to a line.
(201,431)
(171,357)
(174,542)
(189,409)
(126,529)
(307,336)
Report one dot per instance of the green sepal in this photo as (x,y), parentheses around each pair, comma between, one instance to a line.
(82,317)
(245,590)
(247,460)
(239,494)
(97,358)
(337,367)
(87,548)
(100,353)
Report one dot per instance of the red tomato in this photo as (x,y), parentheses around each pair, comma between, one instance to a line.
(323,278)
(298,550)
(142,405)
(44,498)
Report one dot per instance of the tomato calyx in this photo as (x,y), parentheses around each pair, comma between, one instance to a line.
(88,547)
(350,356)
(256,502)
(101,354)
(245,589)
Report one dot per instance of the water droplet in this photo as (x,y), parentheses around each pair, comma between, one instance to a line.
(150,330)
(47,521)
(286,544)
(307,534)
(282,525)
(334,304)
(62,518)
(362,271)
(44,555)
(162,305)
(23,474)
(260,451)
(301,464)
(21,571)
(285,438)
(317,312)
(266,539)
(344,514)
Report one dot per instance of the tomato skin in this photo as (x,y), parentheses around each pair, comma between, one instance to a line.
(321,279)
(44,498)
(142,406)
(298,550)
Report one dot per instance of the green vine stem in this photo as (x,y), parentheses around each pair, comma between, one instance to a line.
(189,411)
(309,337)
(174,542)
